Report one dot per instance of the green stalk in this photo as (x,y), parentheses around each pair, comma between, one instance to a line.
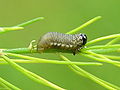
(103,38)
(84,73)
(3,86)
(102,51)
(113,41)
(19,26)
(30,22)
(51,61)
(102,47)
(84,25)
(31,75)
(19,50)
(8,85)
(112,57)
(54,62)
(7,29)
(97,48)
(102,58)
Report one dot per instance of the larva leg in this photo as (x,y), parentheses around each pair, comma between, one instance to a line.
(31,46)
(74,52)
(40,50)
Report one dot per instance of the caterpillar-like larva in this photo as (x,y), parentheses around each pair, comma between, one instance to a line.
(62,41)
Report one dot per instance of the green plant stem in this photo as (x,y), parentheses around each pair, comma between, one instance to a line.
(113,41)
(94,78)
(97,48)
(3,86)
(31,75)
(84,73)
(112,57)
(19,50)
(27,50)
(9,85)
(102,47)
(84,25)
(101,51)
(103,38)
(7,29)
(19,26)
(30,22)
(61,62)
(12,28)
(102,58)
(39,60)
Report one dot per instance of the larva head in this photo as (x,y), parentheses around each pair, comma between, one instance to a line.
(84,38)
(81,39)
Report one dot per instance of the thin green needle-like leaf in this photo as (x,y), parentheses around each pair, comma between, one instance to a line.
(103,38)
(95,79)
(12,28)
(59,62)
(104,59)
(113,41)
(9,85)
(7,29)
(101,59)
(52,61)
(84,25)
(3,86)
(95,48)
(105,50)
(112,57)
(84,73)
(103,47)
(30,22)
(31,75)
(20,26)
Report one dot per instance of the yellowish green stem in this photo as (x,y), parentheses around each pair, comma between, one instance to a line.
(84,25)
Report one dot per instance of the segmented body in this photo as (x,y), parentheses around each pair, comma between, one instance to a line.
(58,40)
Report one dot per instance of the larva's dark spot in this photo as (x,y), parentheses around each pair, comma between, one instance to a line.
(62,41)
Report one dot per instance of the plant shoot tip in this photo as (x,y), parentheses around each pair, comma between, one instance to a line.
(40,18)
(99,17)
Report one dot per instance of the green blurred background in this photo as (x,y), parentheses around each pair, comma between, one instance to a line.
(60,16)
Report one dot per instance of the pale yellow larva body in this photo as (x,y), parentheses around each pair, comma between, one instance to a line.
(62,41)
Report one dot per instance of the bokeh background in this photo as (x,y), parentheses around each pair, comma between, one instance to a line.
(60,16)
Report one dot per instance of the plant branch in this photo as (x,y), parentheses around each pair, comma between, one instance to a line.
(40,60)
(113,41)
(30,22)
(19,26)
(103,38)
(84,25)
(102,58)
(7,29)
(31,75)
(112,57)
(84,73)
(9,85)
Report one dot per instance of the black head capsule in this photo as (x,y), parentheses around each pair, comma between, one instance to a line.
(62,41)
(84,38)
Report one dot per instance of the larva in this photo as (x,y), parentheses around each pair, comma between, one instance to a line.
(62,41)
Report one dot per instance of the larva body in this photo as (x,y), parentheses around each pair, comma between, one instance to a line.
(62,41)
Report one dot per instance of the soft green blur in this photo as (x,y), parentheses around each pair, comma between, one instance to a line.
(60,16)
